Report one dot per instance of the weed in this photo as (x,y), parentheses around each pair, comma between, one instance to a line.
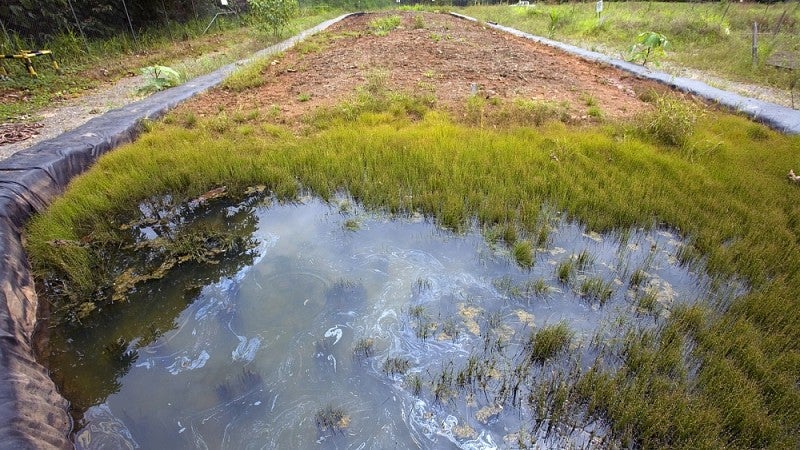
(303,97)
(637,278)
(565,270)
(583,260)
(596,289)
(382,26)
(548,342)
(651,47)
(396,366)
(523,254)
(419,22)
(414,382)
(364,348)
(332,419)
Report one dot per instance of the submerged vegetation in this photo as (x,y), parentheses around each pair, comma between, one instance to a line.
(706,377)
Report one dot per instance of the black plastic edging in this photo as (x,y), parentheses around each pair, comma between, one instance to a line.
(33,415)
(779,117)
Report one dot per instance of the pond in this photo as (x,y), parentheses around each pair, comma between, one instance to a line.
(345,329)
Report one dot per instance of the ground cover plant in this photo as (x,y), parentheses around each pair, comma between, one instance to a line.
(102,61)
(709,376)
(711,36)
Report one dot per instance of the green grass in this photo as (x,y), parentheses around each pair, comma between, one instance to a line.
(249,76)
(706,378)
(712,36)
(181,47)
(383,25)
(548,342)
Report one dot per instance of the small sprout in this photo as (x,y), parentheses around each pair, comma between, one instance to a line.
(303,97)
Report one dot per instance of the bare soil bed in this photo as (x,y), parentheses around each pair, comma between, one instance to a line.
(431,54)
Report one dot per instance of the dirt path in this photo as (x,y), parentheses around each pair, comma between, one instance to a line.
(427,54)
(431,54)
(73,113)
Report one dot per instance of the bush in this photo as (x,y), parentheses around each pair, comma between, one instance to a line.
(273,15)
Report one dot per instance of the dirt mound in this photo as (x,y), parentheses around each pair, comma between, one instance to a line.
(433,54)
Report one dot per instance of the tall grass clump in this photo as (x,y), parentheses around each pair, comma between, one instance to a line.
(523,253)
(548,342)
(672,122)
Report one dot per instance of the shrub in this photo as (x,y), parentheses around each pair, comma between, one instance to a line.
(273,15)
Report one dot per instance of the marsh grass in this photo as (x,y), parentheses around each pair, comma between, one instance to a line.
(333,419)
(548,342)
(735,205)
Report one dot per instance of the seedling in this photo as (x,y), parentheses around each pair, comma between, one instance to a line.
(650,48)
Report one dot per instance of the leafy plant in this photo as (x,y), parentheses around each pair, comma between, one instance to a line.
(158,78)
(273,15)
(651,47)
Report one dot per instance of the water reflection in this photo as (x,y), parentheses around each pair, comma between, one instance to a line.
(253,359)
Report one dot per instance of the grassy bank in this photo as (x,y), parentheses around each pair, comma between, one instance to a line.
(708,378)
(714,37)
(180,46)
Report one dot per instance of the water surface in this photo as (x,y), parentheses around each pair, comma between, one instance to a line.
(244,355)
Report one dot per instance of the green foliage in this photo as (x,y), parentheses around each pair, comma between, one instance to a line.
(710,36)
(548,342)
(651,47)
(382,26)
(273,15)
(523,253)
(158,78)
(249,76)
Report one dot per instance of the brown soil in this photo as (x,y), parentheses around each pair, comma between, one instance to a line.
(438,54)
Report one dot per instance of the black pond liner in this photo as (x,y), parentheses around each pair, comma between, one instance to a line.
(781,118)
(32,412)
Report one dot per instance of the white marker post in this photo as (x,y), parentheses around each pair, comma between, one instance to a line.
(598,7)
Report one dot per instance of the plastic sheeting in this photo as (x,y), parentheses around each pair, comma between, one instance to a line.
(32,412)
(781,118)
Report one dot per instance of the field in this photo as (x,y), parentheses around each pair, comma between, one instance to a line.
(712,37)
(422,113)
